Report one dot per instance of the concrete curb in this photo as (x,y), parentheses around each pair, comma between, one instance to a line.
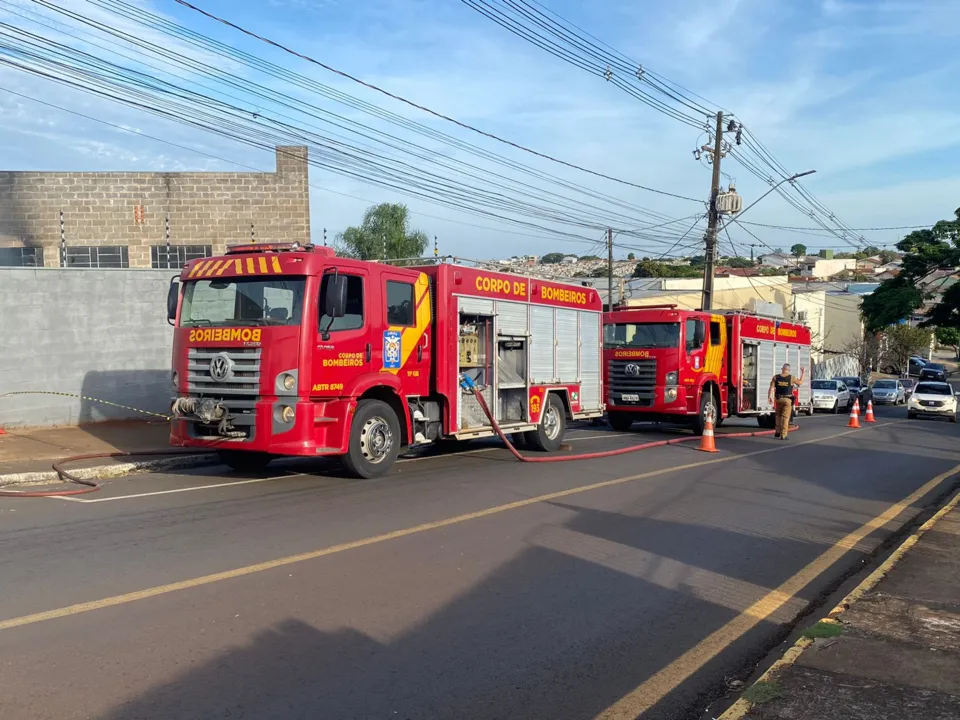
(741,707)
(100,472)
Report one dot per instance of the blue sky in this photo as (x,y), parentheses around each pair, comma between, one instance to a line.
(863,92)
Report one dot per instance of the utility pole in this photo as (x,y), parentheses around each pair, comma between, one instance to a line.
(609,268)
(713,220)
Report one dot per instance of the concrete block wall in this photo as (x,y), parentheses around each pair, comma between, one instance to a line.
(99,333)
(203,208)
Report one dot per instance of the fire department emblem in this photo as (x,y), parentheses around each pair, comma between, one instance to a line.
(632,369)
(535,405)
(221,367)
(392,349)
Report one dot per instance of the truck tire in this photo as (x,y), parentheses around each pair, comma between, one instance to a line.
(553,424)
(768,421)
(374,440)
(700,420)
(620,421)
(245,461)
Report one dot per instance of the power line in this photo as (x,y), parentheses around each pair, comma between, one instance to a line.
(425,109)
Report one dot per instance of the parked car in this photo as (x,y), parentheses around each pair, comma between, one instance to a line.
(908,385)
(889,391)
(830,395)
(933,399)
(914,365)
(934,372)
(859,390)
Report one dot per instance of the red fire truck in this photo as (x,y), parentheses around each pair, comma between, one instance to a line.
(290,350)
(666,364)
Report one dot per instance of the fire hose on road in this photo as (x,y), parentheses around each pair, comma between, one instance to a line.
(468,384)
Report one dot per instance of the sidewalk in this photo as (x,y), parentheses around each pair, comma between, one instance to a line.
(26,456)
(890,651)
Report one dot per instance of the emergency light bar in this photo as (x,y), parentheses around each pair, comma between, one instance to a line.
(269,247)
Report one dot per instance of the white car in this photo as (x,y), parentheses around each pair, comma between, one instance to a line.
(830,395)
(933,399)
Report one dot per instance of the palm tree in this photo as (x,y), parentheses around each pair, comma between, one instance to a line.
(383,235)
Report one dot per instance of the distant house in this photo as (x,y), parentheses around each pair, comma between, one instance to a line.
(736,272)
(570,260)
(818,267)
(778,260)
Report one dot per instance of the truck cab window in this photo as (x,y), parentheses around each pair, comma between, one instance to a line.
(693,330)
(399,303)
(353,317)
(715,333)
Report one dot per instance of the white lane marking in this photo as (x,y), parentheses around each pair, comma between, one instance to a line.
(178,490)
(279,477)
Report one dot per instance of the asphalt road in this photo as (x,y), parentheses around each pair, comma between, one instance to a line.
(460,586)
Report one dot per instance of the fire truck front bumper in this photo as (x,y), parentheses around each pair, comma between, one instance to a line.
(659,399)
(279,426)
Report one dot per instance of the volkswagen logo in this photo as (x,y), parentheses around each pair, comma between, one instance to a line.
(631,369)
(221,367)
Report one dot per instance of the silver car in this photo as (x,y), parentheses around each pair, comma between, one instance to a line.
(830,395)
(890,392)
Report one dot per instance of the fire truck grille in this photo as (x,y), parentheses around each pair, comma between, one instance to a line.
(237,391)
(635,379)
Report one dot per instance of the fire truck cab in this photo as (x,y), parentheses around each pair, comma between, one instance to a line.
(291,350)
(662,363)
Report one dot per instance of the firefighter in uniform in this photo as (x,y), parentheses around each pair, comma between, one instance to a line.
(782,385)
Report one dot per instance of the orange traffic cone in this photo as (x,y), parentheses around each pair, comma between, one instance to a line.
(707,443)
(854,415)
(869,416)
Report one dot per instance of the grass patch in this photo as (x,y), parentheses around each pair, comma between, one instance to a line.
(762,691)
(823,630)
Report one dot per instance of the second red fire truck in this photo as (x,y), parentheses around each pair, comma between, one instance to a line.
(291,350)
(667,364)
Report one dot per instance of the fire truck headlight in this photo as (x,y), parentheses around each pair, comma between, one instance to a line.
(671,378)
(175,379)
(671,393)
(289,382)
(288,414)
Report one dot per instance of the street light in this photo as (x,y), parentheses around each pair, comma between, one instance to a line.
(789,180)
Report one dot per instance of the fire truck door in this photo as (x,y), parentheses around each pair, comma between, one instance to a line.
(694,342)
(342,349)
(405,347)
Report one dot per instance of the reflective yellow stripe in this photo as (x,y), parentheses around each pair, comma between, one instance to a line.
(263,264)
(239,266)
(250,266)
(209,270)
(275,261)
(194,270)
(223,268)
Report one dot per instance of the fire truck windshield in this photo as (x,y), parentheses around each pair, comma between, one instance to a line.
(644,335)
(243,301)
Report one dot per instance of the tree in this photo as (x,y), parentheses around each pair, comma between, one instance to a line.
(923,252)
(864,350)
(652,269)
(631,256)
(385,227)
(739,262)
(589,258)
(798,250)
(552,258)
(887,256)
(903,342)
(949,336)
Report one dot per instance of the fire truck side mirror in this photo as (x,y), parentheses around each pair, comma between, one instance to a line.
(173,295)
(335,296)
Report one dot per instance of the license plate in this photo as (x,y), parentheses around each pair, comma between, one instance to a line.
(630,397)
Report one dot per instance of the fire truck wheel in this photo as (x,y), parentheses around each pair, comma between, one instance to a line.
(707,405)
(245,461)
(620,421)
(374,439)
(553,423)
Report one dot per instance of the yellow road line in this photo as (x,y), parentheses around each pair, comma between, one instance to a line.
(651,691)
(85,607)
(739,709)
